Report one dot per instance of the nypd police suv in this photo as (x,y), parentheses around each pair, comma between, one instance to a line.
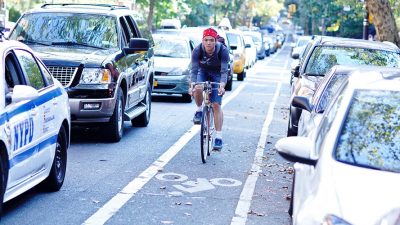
(34,123)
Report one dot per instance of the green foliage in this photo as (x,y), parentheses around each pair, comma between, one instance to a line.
(13,14)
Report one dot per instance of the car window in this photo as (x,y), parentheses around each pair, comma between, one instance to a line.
(30,69)
(132,27)
(330,91)
(46,74)
(327,120)
(125,31)
(370,136)
(144,30)
(89,29)
(233,39)
(170,47)
(325,57)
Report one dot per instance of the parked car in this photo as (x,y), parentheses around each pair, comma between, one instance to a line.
(314,106)
(326,52)
(300,44)
(258,39)
(251,52)
(172,56)
(236,42)
(350,170)
(35,124)
(99,53)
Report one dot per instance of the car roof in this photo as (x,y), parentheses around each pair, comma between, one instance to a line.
(7,44)
(174,36)
(375,78)
(83,8)
(356,43)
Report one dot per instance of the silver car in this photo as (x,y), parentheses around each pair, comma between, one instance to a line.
(172,55)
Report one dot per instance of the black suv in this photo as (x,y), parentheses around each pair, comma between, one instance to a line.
(102,56)
(322,53)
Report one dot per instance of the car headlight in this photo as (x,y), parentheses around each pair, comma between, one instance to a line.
(95,76)
(334,220)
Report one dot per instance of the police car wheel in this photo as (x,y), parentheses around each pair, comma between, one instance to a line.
(143,119)
(57,173)
(116,130)
(3,180)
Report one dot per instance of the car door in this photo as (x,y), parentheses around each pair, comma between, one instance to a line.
(132,69)
(142,61)
(44,116)
(24,128)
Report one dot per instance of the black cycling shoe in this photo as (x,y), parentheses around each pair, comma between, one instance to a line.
(197,117)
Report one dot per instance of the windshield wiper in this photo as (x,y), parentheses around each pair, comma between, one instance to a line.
(35,42)
(163,55)
(75,43)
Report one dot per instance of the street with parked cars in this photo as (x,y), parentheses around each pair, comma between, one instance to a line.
(96,124)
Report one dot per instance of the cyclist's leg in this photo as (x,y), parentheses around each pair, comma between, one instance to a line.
(198,93)
(216,102)
(198,96)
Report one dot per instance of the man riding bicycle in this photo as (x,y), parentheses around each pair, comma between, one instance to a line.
(210,62)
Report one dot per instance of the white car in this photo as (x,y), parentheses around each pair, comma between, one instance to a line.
(34,123)
(350,171)
(251,51)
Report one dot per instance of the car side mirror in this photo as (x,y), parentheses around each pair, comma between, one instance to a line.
(23,92)
(233,47)
(302,103)
(247,46)
(296,71)
(136,45)
(295,55)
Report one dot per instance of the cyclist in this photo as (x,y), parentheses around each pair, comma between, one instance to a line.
(210,62)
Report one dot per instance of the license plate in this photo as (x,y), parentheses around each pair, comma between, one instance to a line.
(155,83)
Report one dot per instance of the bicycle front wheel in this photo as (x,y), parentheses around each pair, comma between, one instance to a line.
(205,139)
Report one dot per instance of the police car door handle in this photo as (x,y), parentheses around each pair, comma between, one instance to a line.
(33,112)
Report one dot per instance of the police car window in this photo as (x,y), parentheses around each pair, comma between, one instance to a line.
(30,69)
(46,74)
(12,76)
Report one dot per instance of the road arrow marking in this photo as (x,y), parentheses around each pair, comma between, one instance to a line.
(202,184)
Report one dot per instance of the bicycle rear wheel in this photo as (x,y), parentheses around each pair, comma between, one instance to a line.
(205,137)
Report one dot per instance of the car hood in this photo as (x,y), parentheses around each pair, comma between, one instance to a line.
(68,56)
(165,64)
(365,195)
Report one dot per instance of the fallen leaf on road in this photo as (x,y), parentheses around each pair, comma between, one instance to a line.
(95,201)
(188,214)
(163,187)
(167,222)
(160,170)
(188,203)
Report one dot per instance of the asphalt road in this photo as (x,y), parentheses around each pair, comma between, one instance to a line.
(154,175)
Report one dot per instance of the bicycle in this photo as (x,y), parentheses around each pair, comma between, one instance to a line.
(207,128)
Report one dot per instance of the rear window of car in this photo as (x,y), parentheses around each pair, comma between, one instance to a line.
(170,47)
(370,135)
(325,57)
(89,29)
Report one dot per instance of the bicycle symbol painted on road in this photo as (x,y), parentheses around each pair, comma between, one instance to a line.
(201,184)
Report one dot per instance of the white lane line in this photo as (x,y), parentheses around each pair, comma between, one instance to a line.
(246,196)
(114,204)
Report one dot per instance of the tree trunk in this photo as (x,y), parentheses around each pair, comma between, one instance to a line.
(151,14)
(384,21)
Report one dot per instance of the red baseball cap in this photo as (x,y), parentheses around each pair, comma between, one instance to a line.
(210,32)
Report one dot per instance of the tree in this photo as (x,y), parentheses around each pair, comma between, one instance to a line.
(384,21)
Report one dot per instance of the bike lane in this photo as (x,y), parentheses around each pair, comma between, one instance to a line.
(182,190)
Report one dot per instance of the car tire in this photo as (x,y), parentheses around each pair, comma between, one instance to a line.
(291,131)
(228,86)
(59,166)
(240,76)
(3,182)
(143,119)
(187,98)
(290,210)
(116,126)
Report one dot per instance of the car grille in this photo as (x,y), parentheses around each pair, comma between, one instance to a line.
(63,74)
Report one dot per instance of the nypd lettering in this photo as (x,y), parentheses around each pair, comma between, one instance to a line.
(23,133)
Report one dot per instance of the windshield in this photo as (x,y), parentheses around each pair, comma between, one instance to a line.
(233,39)
(324,57)
(170,47)
(90,30)
(370,136)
